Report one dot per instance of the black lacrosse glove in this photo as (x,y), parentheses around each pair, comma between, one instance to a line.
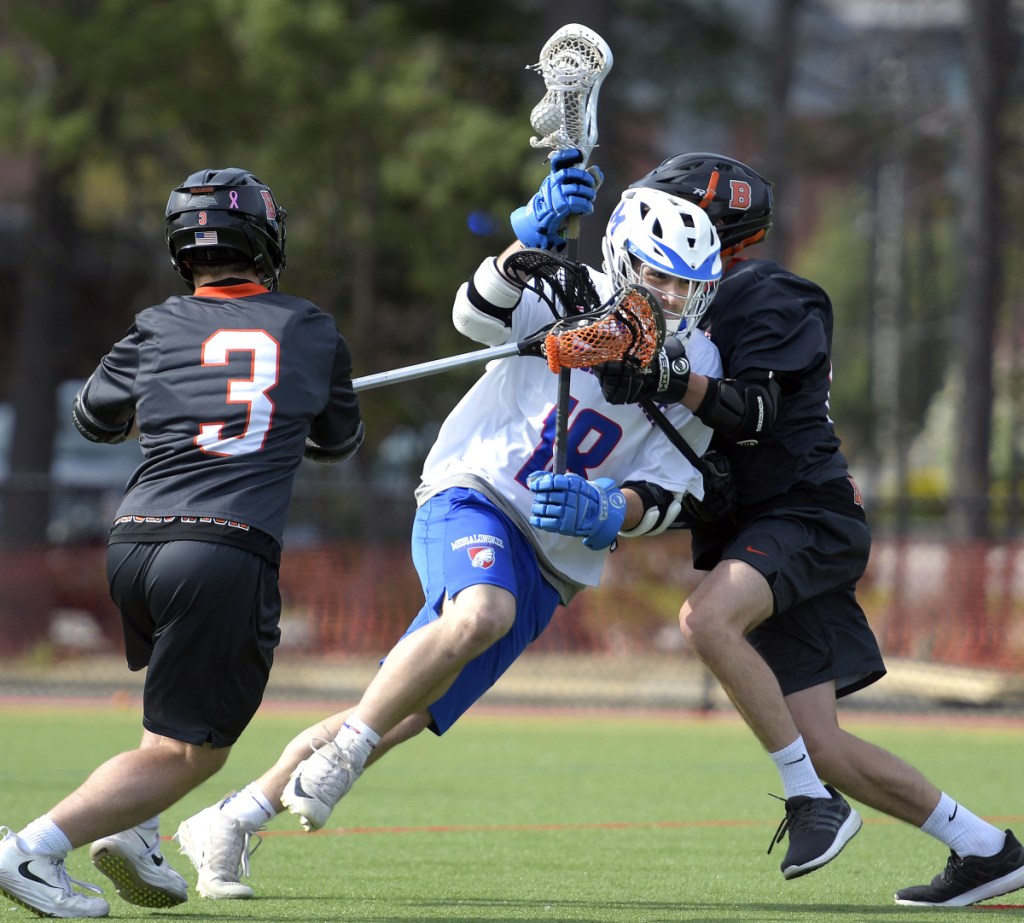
(665,380)
(719,501)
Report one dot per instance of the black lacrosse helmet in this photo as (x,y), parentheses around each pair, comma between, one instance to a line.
(737,199)
(225,216)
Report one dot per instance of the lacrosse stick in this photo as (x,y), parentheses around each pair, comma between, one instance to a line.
(629,327)
(564,285)
(573,63)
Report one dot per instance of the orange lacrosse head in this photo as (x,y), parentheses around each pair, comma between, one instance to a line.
(631,327)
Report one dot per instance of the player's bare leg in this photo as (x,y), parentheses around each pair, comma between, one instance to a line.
(417,671)
(134,786)
(856,767)
(115,809)
(733,599)
(273,781)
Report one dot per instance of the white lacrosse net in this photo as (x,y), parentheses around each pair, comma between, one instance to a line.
(573,62)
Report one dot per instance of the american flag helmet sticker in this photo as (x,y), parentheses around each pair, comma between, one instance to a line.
(207,238)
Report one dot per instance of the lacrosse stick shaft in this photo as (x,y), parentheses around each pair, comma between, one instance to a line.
(434,366)
(674,436)
(561,447)
(573,63)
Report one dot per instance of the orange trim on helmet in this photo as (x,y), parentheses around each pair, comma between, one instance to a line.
(752,239)
(712,189)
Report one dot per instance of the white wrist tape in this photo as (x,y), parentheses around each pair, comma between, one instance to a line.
(655,521)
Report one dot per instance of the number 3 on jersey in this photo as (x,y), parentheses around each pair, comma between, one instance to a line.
(263,350)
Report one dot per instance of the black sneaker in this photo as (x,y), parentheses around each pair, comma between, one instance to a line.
(969,879)
(818,830)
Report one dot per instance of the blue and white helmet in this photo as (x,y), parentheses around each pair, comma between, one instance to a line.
(672,236)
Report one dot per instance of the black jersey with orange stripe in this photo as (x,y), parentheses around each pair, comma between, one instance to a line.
(225,386)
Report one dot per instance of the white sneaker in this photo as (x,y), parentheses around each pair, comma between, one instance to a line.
(216,845)
(318,783)
(140,873)
(42,884)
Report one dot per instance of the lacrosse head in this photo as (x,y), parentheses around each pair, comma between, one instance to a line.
(630,327)
(564,285)
(653,235)
(573,63)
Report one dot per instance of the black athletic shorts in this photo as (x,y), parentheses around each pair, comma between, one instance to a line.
(204,617)
(812,557)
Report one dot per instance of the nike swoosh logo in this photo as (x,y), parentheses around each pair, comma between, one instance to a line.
(157,858)
(802,758)
(298,789)
(951,816)
(754,550)
(26,872)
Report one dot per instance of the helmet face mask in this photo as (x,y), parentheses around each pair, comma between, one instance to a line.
(653,237)
(225,216)
(737,199)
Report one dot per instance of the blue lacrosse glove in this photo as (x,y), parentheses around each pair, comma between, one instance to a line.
(567,190)
(572,505)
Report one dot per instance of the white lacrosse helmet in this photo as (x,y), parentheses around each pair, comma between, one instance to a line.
(672,236)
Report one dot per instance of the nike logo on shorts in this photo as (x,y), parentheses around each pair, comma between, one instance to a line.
(754,550)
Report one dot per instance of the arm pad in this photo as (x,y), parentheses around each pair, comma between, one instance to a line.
(743,411)
(484,305)
(95,431)
(661,507)
(328,456)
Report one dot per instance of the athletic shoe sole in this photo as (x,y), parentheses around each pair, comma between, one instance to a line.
(130,885)
(1004,885)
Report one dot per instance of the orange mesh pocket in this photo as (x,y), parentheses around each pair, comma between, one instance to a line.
(631,330)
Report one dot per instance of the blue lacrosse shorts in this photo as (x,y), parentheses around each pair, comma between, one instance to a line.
(461,539)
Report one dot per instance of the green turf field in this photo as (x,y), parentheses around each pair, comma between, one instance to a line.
(562,817)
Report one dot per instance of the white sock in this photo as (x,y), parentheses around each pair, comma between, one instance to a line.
(359,739)
(43,837)
(250,807)
(797,771)
(963,832)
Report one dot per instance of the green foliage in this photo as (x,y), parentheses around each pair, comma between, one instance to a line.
(376,134)
(837,257)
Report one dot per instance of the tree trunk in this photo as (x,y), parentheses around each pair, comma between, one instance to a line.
(778,130)
(988,55)
(43,310)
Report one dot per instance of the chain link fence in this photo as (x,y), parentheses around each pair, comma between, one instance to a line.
(948,616)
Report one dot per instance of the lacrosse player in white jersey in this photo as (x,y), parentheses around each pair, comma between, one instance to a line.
(499,540)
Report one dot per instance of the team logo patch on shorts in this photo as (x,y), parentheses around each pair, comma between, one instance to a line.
(482,556)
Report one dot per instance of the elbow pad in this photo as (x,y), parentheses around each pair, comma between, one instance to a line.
(661,507)
(483,308)
(95,431)
(329,456)
(743,411)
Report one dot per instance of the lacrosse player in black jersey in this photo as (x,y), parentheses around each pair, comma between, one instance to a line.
(776,618)
(228,388)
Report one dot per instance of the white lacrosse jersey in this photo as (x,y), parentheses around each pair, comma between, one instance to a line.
(503,430)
